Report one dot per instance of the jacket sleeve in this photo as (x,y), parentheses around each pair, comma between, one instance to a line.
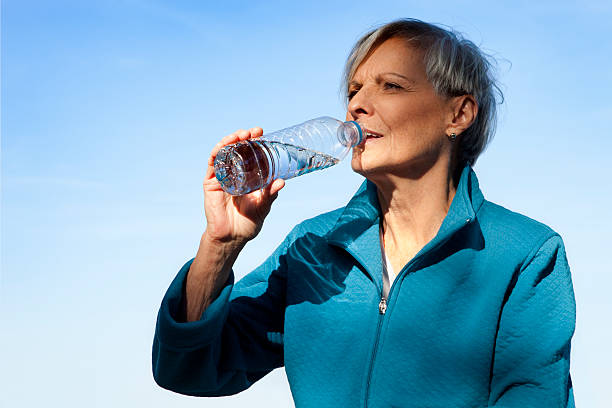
(237,340)
(532,349)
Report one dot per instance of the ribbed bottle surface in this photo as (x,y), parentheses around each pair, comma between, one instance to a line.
(319,135)
(314,145)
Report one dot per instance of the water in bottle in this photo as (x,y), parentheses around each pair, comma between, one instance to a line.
(313,145)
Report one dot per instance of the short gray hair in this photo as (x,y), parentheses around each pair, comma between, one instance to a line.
(454,65)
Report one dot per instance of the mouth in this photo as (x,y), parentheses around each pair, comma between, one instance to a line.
(370,134)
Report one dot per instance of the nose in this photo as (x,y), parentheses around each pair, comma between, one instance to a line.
(360,105)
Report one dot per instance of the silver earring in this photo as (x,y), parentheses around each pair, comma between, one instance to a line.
(452,137)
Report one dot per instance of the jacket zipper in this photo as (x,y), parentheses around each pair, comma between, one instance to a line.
(382,309)
(382,306)
(384,301)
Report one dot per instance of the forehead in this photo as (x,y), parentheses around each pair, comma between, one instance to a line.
(393,55)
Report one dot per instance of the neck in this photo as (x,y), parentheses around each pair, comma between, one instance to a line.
(413,208)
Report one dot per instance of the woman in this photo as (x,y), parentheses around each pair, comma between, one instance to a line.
(418,292)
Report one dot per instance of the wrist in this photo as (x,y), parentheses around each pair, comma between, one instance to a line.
(223,245)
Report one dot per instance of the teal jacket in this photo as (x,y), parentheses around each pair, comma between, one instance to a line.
(482,316)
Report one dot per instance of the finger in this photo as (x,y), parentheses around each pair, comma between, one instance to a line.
(227,140)
(274,191)
(210,170)
(262,196)
(244,135)
(276,186)
(273,198)
(212,184)
(256,132)
(238,135)
(270,193)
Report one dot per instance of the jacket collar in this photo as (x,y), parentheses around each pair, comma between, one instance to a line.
(357,228)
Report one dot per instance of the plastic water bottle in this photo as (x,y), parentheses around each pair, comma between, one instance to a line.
(313,145)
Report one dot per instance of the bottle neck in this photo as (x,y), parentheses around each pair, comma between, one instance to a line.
(353,133)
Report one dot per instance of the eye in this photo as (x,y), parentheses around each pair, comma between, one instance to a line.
(352,93)
(392,85)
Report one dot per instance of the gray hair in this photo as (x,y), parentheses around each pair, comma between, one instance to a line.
(454,65)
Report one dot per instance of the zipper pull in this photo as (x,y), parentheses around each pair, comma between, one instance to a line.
(382,306)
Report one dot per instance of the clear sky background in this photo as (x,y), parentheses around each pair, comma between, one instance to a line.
(109,111)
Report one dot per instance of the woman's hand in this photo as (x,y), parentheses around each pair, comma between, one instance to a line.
(235,219)
(231,221)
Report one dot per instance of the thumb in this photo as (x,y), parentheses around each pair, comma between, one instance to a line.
(276,186)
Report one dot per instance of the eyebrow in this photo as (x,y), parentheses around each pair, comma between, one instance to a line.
(356,84)
(412,81)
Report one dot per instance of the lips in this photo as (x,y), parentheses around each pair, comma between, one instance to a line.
(370,134)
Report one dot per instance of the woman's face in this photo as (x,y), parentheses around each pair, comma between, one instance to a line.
(391,97)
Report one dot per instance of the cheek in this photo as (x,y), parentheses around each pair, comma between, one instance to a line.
(417,121)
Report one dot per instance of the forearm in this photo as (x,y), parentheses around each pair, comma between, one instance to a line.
(208,273)
(208,356)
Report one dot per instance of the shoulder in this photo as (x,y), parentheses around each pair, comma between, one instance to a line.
(318,225)
(515,232)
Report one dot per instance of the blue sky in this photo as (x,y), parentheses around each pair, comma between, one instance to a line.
(109,111)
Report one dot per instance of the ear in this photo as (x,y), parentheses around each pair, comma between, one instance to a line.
(464,111)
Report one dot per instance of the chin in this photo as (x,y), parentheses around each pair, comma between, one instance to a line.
(367,163)
(367,170)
